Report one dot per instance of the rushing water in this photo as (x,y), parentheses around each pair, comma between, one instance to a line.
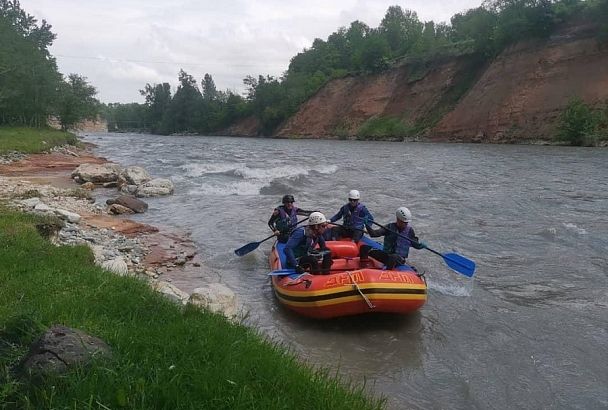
(530,331)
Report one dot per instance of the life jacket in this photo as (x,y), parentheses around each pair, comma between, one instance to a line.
(354,218)
(286,222)
(307,243)
(394,243)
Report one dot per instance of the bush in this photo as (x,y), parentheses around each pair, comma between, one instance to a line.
(582,125)
(382,127)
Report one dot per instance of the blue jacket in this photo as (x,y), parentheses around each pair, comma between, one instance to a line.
(354,217)
(299,244)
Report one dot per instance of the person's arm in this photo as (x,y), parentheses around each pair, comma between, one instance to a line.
(417,244)
(292,243)
(374,233)
(337,216)
(322,244)
(273,219)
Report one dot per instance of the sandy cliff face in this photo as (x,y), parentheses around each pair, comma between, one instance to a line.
(516,98)
(343,105)
(521,94)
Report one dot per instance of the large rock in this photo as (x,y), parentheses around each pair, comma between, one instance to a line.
(156,187)
(60,349)
(137,205)
(217,298)
(116,265)
(134,176)
(97,173)
(116,209)
(68,216)
(170,291)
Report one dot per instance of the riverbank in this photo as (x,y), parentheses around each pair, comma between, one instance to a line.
(165,354)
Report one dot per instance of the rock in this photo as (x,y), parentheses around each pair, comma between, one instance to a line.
(129,189)
(135,175)
(116,265)
(155,187)
(97,173)
(68,216)
(30,202)
(60,349)
(130,202)
(89,186)
(170,291)
(110,184)
(217,298)
(42,207)
(116,209)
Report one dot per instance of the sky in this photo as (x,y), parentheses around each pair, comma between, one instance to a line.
(120,45)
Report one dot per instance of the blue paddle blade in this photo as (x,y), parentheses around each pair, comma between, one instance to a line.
(459,263)
(280,272)
(247,248)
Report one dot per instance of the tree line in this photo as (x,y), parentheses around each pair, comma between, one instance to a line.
(31,87)
(401,37)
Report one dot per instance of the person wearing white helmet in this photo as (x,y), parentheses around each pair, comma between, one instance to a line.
(301,248)
(355,217)
(396,247)
(285,217)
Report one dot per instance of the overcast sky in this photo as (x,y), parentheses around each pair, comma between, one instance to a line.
(120,45)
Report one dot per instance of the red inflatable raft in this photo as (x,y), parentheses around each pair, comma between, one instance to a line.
(350,289)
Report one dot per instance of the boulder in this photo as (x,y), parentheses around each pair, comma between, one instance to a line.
(170,291)
(217,298)
(89,186)
(60,349)
(134,175)
(137,205)
(155,187)
(116,209)
(68,216)
(97,173)
(116,265)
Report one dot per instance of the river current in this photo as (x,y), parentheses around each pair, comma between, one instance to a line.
(528,331)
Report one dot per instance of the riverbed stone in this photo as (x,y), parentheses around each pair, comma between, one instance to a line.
(217,298)
(155,187)
(170,291)
(68,216)
(134,175)
(116,209)
(117,265)
(60,349)
(137,205)
(97,173)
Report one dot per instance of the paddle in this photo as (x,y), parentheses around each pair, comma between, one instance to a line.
(455,261)
(251,246)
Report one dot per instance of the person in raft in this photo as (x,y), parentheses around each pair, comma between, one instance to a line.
(301,251)
(285,217)
(396,247)
(355,216)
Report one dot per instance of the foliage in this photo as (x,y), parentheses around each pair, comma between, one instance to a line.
(33,140)
(581,124)
(31,88)
(383,127)
(164,355)
(76,101)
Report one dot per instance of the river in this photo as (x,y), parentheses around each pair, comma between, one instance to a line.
(529,331)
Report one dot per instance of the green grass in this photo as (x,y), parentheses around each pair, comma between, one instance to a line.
(165,356)
(383,127)
(32,140)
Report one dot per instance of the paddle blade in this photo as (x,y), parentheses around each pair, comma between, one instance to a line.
(244,250)
(459,263)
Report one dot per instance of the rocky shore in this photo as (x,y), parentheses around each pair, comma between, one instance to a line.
(61,184)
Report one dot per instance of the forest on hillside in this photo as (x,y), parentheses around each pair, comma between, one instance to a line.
(481,33)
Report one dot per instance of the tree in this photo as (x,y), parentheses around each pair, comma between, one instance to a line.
(402,29)
(158,99)
(76,102)
(208,87)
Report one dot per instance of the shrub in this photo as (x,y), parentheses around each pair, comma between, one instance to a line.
(582,125)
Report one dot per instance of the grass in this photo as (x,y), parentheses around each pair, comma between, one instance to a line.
(164,356)
(32,140)
(383,127)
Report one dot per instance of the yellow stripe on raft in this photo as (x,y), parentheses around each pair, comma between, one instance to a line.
(337,301)
(347,288)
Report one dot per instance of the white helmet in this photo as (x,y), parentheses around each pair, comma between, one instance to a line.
(354,194)
(316,218)
(404,214)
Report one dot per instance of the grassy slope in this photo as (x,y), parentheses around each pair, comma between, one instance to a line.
(164,356)
(32,140)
